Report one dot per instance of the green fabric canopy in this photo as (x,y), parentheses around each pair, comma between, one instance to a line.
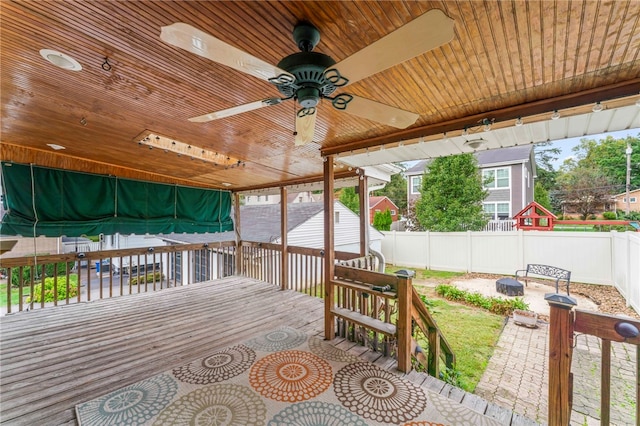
(52,202)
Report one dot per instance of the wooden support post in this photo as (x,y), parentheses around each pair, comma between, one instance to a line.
(236,219)
(363,192)
(284,256)
(403,327)
(329,255)
(560,353)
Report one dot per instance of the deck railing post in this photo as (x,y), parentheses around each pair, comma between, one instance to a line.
(560,353)
(403,326)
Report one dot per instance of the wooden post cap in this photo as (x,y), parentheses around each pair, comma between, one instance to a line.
(560,300)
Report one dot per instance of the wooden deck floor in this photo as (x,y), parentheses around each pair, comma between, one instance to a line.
(53,359)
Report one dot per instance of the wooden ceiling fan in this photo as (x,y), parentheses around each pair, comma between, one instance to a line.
(308,76)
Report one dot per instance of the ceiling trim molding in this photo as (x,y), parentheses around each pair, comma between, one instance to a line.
(604,93)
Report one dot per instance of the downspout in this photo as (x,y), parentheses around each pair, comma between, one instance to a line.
(380,257)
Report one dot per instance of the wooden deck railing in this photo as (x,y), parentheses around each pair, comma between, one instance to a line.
(380,311)
(77,277)
(262,261)
(438,347)
(564,322)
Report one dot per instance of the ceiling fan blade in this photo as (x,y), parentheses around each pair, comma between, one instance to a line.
(195,41)
(375,111)
(235,110)
(305,128)
(426,32)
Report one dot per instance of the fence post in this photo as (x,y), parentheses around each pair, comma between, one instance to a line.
(560,353)
(403,327)
(469,251)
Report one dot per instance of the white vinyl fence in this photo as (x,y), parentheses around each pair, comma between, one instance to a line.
(610,258)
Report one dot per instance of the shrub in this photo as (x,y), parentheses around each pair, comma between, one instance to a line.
(610,215)
(496,305)
(151,277)
(61,289)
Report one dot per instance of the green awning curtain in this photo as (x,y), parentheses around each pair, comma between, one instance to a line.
(52,202)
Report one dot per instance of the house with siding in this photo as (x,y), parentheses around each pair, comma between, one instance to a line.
(379,204)
(509,173)
(620,201)
(305,225)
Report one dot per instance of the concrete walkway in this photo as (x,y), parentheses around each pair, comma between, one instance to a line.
(516,376)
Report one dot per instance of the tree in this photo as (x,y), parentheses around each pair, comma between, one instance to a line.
(545,156)
(585,189)
(396,190)
(350,199)
(412,223)
(451,196)
(608,156)
(382,220)
(541,196)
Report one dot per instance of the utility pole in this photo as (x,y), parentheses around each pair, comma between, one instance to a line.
(628,152)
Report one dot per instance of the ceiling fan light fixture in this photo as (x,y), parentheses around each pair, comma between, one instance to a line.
(474,143)
(60,60)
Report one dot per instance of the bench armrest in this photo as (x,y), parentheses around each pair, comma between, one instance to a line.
(520,270)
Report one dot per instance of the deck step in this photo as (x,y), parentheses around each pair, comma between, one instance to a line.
(365,321)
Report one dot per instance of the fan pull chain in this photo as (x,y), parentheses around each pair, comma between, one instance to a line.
(295,129)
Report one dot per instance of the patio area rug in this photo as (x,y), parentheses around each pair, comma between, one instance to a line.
(283,377)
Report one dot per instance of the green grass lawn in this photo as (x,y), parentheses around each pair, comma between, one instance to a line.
(14,294)
(425,274)
(472,333)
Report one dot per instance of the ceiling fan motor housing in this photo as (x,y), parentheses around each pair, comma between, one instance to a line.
(310,83)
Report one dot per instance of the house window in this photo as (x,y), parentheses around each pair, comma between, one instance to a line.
(336,217)
(377,210)
(416,183)
(631,199)
(496,178)
(497,211)
(393,212)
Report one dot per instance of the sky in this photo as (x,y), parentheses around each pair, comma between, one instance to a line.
(566,145)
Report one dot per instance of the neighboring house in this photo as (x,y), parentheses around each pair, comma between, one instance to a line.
(261,223)
(381,204)
(292,198)
(511,173)
(620,201)
(305,224)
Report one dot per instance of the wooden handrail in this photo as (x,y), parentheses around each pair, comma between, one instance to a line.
(360,292)
(439,347)
(564,322)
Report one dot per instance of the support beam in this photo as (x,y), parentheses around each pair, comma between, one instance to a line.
(560,353)
(236,219)
(284,256)
(543,106)
(329,323)
(403,325)
(363,193)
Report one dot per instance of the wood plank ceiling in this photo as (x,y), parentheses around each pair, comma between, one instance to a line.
(507,59)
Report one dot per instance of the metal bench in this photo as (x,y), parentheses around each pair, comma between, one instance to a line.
(538,271)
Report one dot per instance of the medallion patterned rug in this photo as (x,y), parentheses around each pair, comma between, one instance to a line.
(283,377)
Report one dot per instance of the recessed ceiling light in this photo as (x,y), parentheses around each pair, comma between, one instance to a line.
(60,60)
(226,184)
(56,146)
(597,107)
(474,143)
